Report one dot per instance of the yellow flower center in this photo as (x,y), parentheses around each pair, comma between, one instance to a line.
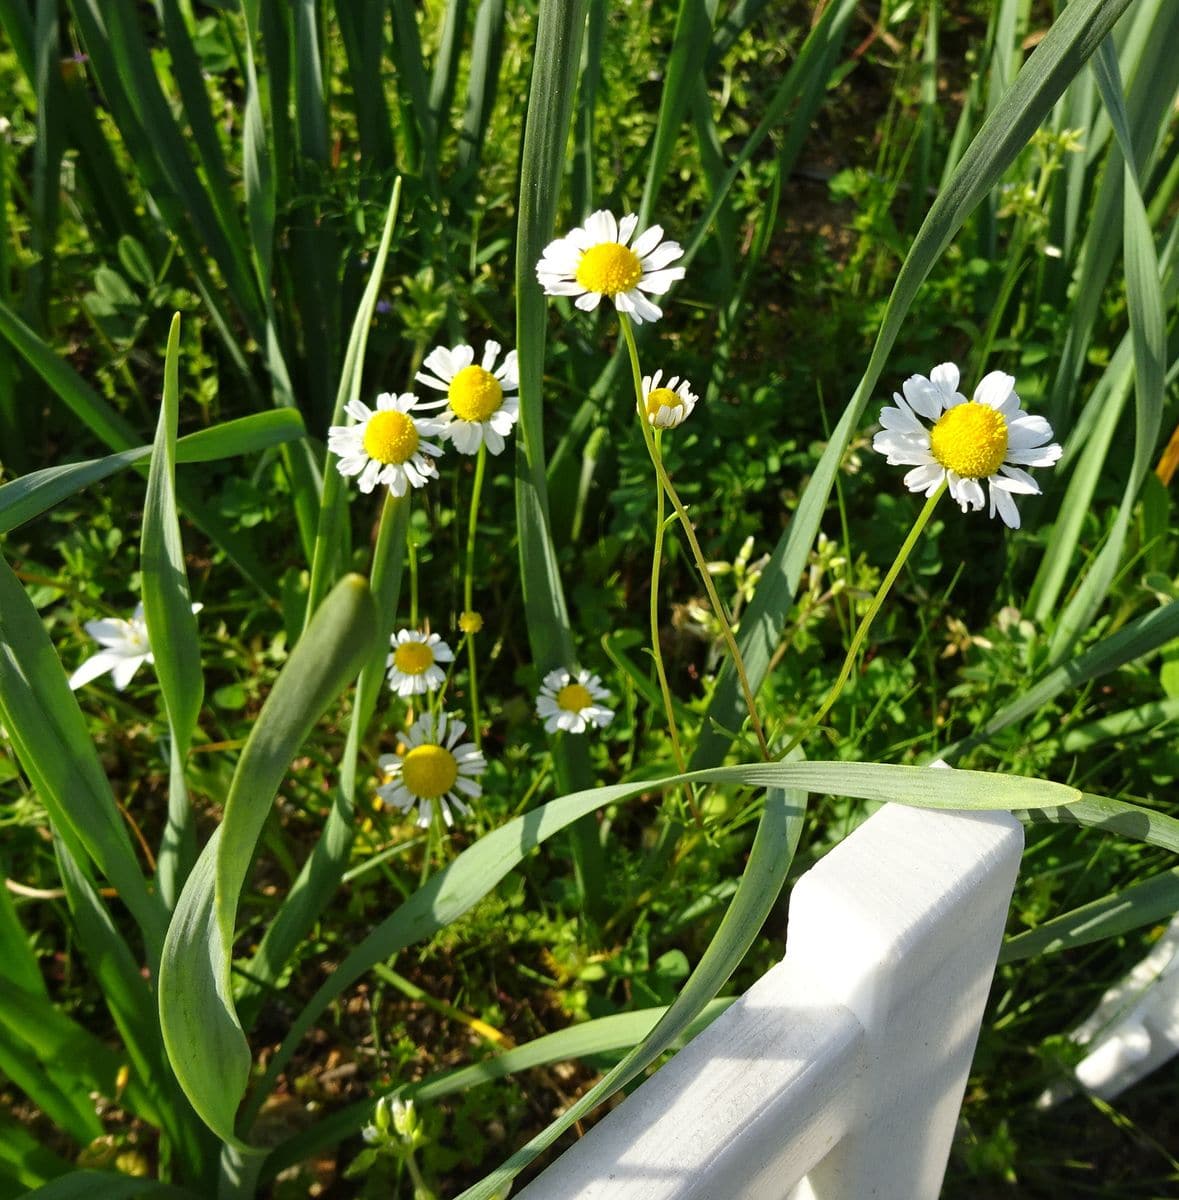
(390,437)
(470,622)
(573,697)
(429,771)
(662,398)
(970,439)
(475,394)
(412,658)
(609,268)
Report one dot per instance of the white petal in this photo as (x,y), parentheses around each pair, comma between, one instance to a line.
(642,308)
(647,241)
(96,665)
(1005,504)
(439,361)
(626,227)
(1027,431)
(926,399)
(123,670)
(925,478)
(661,256)
(490,354)
(945,377)
(658,282)
(995,389)
(601,226)
(1038,456)
(1013,479)
(588,302)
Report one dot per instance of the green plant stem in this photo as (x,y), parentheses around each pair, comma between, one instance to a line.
(411,555)
(866,624)
(469,587)
(719,610)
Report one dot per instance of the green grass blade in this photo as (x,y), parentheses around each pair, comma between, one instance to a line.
(546,133)
(1065,48)
(53,746)
(593,1037)
(446,62)
(1155,899)
(30,495)
(47,158)
(362,33)
(464,882)
(204,1039)
(331,531)
(1152,715)
(24,1161)
(413,89)
(171,627)
(482,81)
(167,602)
(1113,816)
(1148,334)
(1135,640)
(63,1100)
(765,873)
(685,64)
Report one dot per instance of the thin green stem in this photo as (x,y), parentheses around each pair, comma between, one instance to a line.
(656,648)
(718,607)
(866,624)
(411,555)
(469,588)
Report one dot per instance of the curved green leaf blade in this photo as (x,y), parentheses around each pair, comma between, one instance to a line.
(29,496)
(201,1030)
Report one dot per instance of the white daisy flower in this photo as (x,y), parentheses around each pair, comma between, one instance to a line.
(481,401)
(599,259)
(988,438)
(385,446)
(413,662)
(434,768)
(125,648)
(670,404)
(572,704)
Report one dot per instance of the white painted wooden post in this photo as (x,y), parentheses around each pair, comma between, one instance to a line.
(842,1069)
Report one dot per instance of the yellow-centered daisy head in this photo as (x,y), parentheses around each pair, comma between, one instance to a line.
(387,445)
(429,771)
(481,404)
(436,768)
(414,662)
(962,444)
(391,437)
(970,439)
(474,394)
(573,697)
(609,268)
(413,658)
(667,406)
(608,257)
(572,702)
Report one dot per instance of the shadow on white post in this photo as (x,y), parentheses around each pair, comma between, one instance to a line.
(839,1074)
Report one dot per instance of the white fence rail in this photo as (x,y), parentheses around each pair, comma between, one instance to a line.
(839,1074)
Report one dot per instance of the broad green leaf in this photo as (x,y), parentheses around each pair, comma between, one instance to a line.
(30,495)
(62,1098)
(1113,816)
(201,1031)
(455,889)
(1074,36)
(1152,715)
(1135,640)
(106,424)
(53,746)
(1155,899)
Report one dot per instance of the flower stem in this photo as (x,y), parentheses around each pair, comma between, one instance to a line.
(862,632)
(469,588)
(411,555)
(718,607)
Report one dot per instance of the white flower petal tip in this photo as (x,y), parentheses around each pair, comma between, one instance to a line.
(125,648)
(414,662)
(435,767)
(964,443)
(482,403)
(572,703)
(667,404)
(387,446)
(604,257)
